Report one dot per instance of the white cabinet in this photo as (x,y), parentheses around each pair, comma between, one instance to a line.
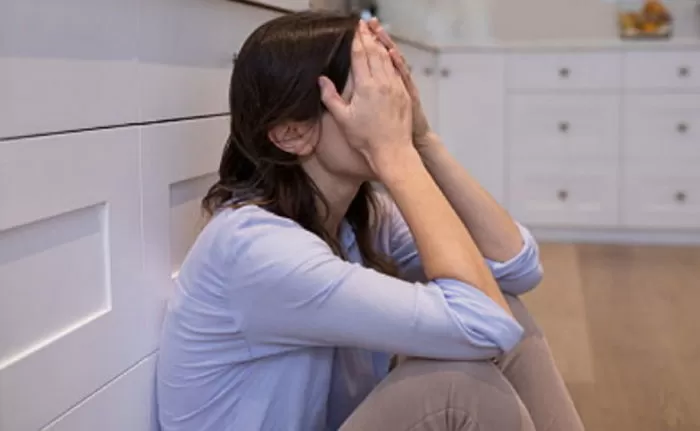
(100,179)
(661,141)
(471,115)
(603,140)
(75,311)
(562,138)
(423,65)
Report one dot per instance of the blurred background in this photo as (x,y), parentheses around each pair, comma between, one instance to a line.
(582,117)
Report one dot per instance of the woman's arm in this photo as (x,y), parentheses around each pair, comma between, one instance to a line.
(444,244)
(287,287)
(516,276)
(492,228)
(377,122)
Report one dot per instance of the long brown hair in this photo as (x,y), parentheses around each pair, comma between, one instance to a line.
(275,80)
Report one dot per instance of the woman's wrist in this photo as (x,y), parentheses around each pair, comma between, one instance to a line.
(427,142)
(394,166)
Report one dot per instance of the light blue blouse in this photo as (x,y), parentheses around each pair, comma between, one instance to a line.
(269,330)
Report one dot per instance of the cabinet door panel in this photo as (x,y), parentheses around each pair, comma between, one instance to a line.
(423,64)
(470,110)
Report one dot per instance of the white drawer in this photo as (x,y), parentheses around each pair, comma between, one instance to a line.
(555,126)
(675,70)
(661,127)
(291,5)
(186,52)
(67,65)
(584,194)
(661,198)
(563,71)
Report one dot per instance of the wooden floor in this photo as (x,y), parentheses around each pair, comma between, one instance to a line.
(624,325)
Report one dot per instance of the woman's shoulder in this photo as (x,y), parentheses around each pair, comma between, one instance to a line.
(251,227)
(247,220)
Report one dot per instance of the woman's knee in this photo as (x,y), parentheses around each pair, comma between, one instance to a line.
(465,396)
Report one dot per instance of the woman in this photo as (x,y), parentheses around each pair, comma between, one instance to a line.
(306,281)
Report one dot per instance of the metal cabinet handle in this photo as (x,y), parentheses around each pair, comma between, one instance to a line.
(562,195)
(444,73)
(681,197)
(428,71)
(682,127)
(564,72)
(684,71)
(564,126)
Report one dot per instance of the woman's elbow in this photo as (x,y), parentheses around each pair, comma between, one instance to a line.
(533,278)
(499,333)
(523,282)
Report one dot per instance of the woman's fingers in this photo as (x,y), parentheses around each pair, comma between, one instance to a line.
(333,101)
(397,59)
(382,37)
(377,56)
(360,62)
(381,34)
(402,68)
(404,72)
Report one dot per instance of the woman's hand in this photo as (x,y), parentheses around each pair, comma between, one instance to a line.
(377,119)
(421,127)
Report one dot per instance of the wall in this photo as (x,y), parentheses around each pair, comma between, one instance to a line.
(463,21)
(112,120)
(575,19)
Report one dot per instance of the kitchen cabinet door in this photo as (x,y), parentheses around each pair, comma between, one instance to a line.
(471,111)
(423,64)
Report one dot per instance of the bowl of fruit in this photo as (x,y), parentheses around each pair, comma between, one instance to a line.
(651,21)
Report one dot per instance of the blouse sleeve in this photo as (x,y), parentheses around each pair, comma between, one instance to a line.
(289,288)
(516,276)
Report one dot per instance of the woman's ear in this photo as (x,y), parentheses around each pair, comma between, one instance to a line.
(294,137)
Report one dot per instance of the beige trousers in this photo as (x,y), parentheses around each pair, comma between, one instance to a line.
(521,391)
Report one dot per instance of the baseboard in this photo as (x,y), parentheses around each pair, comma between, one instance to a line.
(617,236)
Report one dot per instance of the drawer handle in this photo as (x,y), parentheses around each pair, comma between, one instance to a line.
(428,71)
(681,197)
(562,195)
(684,71)
(444,73)
(682,127)
(564,126)
(564,72)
